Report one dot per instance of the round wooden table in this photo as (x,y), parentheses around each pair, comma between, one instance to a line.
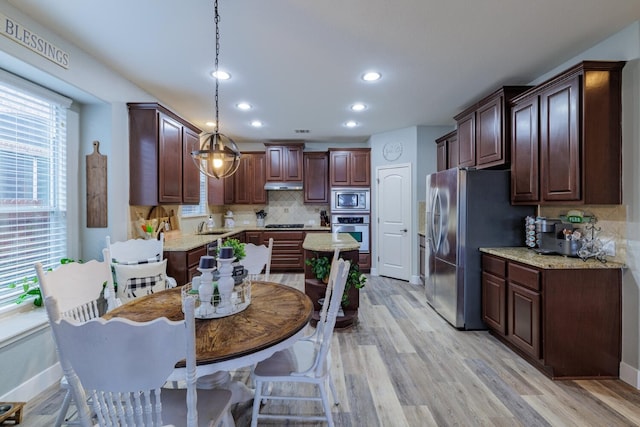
(274,320)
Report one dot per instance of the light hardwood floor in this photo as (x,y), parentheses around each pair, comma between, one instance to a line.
(403,365)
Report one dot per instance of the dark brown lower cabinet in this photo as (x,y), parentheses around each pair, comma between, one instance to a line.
(566,322)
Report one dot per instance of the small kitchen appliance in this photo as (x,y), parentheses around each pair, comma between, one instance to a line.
(344,200)
(556,237)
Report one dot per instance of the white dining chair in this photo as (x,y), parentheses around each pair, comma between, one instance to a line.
(124,364)
(81,289)
(258,259)
(139,252)
(304,362)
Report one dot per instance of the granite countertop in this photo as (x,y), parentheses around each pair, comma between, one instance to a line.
(323,242)
(530,257)
(177,241)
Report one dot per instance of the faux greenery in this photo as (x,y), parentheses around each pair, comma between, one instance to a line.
(238,248)
(31,286)
(321,267)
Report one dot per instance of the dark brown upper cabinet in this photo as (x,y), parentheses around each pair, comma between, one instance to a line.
(483,130)
(566,136)
(350,167)
(284,162)
(160,167)
(447,151)
(316,177)
(245,186)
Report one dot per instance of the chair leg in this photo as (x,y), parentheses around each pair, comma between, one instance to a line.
(325,403)
(332,386)
(63,409)
(257,398)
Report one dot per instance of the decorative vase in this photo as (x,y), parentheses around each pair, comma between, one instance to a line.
(225,284)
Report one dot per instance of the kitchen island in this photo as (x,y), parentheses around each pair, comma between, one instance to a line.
(323,245)
(561,314)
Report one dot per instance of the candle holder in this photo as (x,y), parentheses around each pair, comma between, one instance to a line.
(225,284)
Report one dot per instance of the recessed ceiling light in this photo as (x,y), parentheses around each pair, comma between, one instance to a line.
(358,106)
(351,124)
(211,124)
(221,75)
(256,124)
(244,106)
(371,76)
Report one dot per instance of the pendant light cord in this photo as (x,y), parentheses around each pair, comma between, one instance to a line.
(217,21)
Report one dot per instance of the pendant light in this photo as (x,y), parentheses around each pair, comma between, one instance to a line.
(218,156)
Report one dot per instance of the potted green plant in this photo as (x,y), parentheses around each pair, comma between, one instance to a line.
(320,267)
(238,248)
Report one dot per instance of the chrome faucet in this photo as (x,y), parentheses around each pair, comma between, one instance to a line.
(201,227)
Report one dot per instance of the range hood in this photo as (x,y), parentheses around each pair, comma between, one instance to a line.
(286,185)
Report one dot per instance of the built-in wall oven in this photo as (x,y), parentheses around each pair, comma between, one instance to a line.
(355,224)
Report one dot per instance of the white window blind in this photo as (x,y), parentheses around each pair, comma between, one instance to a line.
(201,208)
(33,201)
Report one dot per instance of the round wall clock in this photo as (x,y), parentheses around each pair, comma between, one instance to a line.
(392,151)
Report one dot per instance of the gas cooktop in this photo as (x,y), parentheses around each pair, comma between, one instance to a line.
(284,226)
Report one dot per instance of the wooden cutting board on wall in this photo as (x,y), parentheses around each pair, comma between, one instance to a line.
(96,188)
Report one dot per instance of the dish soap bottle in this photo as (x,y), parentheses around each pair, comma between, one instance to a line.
(210,223)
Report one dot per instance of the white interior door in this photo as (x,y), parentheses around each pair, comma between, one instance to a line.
(394,221)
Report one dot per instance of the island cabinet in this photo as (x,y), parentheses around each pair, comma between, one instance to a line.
(483,130)
(246,186)
(161,170)
(350,168)
(565,321)
(566,137)
(316,178)
(284,162)
(447,151)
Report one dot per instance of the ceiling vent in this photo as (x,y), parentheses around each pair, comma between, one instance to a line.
(302,131)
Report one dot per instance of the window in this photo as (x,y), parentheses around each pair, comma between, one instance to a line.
(200,209)
(33,201)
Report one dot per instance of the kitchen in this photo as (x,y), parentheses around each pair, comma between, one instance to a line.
(418,144)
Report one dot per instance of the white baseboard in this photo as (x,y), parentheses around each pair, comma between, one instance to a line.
(34,386)
(630,375)
(415,280)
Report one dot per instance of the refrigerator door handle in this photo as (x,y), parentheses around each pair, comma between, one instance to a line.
(436,233)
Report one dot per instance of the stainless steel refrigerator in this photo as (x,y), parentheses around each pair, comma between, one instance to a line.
(466,210)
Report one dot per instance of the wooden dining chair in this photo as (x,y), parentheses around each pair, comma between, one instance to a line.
(258,259)
(139,252)
(84,291)
(124,364)
(304,362)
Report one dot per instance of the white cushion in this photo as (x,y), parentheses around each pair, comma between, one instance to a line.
(134,281)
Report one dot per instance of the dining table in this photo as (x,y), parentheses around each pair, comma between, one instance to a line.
(274,320)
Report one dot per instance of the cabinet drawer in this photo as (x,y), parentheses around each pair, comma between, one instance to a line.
(493,265)
(193,256)
(524,276)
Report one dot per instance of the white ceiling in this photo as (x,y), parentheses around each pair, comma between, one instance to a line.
(299,62)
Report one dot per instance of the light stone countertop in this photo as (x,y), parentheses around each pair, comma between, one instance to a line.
(328,242)
(177,241)
(530,257)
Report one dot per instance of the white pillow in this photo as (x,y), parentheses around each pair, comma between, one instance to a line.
(134,281)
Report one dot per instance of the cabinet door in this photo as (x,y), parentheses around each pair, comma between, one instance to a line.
(254,237)
(190,172)
(560,141)
(467,140)
(293,163)
(421,256)
(316,182)
(524,151)
(242,181)
(258,171)
(215,191)
(489,140)
(452,152)
(441,155)
(360,165)
(494,312)
(339,168)
(275,163)
(170,167)
(523,323)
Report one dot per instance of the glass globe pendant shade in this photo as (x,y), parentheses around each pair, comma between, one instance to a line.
(218,156)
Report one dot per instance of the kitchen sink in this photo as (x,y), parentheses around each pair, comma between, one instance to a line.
(212,233)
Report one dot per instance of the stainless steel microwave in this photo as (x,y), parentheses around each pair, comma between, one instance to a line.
(350,200)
